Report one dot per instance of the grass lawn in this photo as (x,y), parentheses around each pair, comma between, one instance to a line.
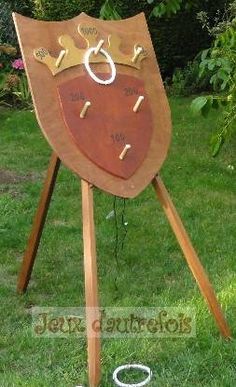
(151,269)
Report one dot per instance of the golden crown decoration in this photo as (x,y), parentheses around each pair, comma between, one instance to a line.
(71,55)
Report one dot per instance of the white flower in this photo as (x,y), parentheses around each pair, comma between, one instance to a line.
(231,167)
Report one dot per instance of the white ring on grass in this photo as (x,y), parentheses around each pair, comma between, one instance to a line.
(91,73)
(128,367)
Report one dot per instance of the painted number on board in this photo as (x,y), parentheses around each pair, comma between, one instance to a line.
(41,53)
(130,91)
(118,137)
(89,31)
(77,96)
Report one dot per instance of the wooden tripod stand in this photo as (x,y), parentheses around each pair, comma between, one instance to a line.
(90,265)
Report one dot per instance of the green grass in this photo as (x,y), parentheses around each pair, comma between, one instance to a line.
(151,270)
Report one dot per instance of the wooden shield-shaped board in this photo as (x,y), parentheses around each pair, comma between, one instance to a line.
(120,142)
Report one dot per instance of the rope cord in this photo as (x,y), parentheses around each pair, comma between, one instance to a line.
(116,231)
(124,224)
(119,240)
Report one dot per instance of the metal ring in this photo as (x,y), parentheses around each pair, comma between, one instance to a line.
(91,73)
(132,366)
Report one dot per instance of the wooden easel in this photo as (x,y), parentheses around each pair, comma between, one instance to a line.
(129,147)
(90,264)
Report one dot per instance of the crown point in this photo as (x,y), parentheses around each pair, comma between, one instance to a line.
(41,53)
(137,52)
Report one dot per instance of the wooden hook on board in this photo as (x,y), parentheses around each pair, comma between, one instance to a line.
(60,58)
(85,108)
(137,52)
(99,46)
(138,103)
(125,150)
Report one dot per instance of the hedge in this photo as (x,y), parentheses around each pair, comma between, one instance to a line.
(7,29)
(176,39)
(59,10)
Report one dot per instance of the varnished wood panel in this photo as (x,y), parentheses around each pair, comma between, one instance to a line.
(33,34)
(110,122)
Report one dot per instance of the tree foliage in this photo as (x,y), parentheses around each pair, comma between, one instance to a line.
(166,7)
(219,62)
(110,11)
(177,35)
(160,8)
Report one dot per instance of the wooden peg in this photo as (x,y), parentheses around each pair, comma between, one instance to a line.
(138,103)
(60,57)
(137,52)
(125,150)
(85,108)
(99,46)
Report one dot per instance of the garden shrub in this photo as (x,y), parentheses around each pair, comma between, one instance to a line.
(14,88)
(7,29)
(59,10)
(218,63)
(177,39)
(186,81)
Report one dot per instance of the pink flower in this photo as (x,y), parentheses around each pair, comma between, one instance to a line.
(1,65)
(18,64)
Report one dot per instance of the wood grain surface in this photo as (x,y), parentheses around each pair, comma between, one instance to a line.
(91,284)
(38,224)
(110,122)
(33,34)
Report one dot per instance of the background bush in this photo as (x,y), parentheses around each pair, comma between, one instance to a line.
(177,39)
(59,10)
(186,81)
(7,29)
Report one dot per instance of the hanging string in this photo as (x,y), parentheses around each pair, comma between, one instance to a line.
(116,231)
(119,239)
(124,224)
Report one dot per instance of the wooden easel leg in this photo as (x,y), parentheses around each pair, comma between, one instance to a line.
(91,286)
(37,228)
(191,256)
